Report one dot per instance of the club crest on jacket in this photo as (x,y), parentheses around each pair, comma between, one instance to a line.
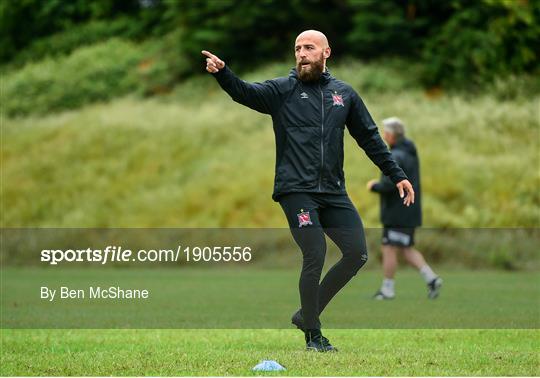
(338,100)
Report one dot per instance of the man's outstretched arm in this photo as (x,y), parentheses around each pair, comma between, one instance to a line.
(363,129)
(262,97)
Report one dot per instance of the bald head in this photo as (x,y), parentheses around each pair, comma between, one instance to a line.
(313,35)
(311,51)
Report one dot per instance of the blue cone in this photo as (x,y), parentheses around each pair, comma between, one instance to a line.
(268,365)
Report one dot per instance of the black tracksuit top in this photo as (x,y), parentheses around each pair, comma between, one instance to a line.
(309,122)
(393,213)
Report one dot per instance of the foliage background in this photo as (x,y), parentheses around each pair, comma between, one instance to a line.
(459,43)
(109,120)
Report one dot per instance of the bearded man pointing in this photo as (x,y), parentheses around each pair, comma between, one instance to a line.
(310,110)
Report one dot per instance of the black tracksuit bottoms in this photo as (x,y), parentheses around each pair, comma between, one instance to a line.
(310,217)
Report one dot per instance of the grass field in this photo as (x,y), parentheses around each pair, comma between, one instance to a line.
(235,352)
(263,299)
(255,297)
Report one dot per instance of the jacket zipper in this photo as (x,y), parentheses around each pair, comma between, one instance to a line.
(322,137)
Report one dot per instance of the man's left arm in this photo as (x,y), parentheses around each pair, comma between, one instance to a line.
(364,130)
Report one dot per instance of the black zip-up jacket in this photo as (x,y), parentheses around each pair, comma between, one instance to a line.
(309,121)
(393,213)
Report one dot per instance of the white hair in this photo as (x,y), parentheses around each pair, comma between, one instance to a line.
(395,126)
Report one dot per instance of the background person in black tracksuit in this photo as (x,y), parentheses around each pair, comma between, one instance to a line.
(399,221)
(310,110)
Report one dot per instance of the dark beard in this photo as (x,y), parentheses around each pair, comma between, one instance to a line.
(314,74)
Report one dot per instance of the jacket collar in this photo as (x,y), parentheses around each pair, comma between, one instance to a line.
(325,77)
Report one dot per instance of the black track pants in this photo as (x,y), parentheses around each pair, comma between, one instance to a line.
(310,217)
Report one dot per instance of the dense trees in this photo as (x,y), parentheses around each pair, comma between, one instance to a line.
(458,41)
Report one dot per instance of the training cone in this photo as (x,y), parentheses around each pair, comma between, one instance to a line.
(268,365)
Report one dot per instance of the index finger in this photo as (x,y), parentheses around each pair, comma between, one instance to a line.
(209,54)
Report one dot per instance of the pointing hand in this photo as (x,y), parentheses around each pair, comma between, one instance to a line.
(213,63)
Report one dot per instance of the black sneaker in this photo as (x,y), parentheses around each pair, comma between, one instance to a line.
(434,287)
(382,297)
(318,343)
(329,347)
(298,320)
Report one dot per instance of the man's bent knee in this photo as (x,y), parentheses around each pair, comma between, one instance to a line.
(356,263)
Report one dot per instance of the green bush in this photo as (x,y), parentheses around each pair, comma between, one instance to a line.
(78,36)
(164,64)
(394,27)
(462,44)
(28,21)
(89,74)
(480,42)
(247,33)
